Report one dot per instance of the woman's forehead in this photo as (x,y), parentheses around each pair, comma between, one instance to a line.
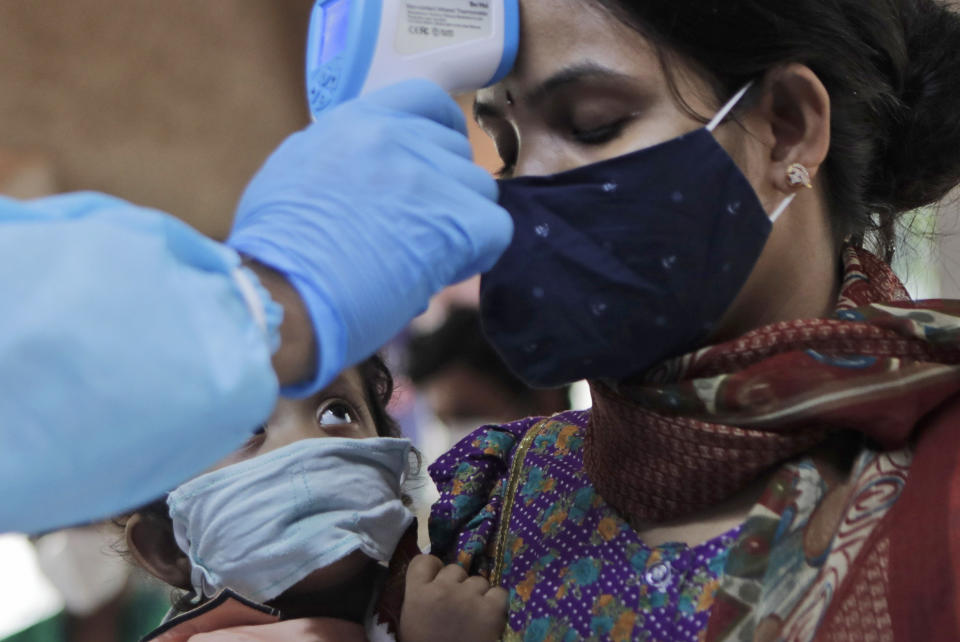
(557,34)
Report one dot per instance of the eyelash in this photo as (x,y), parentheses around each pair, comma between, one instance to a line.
(597,136)
(601,135)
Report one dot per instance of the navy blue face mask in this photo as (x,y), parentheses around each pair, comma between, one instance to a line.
(618,265)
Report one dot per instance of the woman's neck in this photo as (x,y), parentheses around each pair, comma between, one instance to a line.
(798,275)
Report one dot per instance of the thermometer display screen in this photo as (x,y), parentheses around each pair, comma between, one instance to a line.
(335,18)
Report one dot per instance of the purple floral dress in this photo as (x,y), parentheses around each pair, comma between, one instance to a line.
(575,569)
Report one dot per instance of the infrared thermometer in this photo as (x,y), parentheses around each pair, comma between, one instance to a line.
(357,46)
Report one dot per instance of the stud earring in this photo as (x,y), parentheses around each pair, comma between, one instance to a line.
(798,176)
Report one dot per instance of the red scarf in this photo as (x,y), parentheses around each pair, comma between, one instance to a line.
(705,425)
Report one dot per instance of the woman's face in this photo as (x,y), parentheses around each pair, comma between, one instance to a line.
(585,88)
(588,88)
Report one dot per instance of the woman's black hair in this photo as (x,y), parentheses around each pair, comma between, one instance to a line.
(891,67)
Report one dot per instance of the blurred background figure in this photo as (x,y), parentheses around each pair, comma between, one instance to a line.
(104,599)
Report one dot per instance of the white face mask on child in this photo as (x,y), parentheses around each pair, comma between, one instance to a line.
(261,525)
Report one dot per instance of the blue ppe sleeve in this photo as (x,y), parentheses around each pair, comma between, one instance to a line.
(370,212)
(134,354)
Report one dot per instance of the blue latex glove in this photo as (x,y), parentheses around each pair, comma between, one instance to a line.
(131,357)
(370,212)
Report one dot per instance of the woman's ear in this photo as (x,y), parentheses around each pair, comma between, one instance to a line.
(153,546)
(797,109)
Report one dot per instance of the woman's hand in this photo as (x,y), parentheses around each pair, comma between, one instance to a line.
(443,603)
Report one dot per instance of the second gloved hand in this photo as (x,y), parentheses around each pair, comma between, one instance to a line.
(369,212)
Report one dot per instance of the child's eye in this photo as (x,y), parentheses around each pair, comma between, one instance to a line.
(336,413)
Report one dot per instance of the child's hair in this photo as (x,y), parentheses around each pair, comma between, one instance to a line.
(378,390)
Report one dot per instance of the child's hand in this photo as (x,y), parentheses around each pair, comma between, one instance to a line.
(442,603)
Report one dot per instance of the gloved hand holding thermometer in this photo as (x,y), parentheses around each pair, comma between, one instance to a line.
(110,367)
(378,205)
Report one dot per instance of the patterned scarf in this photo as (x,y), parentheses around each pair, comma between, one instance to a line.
(705,425)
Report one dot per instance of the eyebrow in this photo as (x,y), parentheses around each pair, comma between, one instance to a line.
(571,75)
(567,76)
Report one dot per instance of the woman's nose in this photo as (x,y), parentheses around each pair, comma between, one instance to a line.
(529,165)
(542,157)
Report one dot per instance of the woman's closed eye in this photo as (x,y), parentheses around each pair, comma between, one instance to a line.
(589,135)
(599,134)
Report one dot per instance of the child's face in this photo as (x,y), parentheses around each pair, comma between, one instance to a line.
(339,410)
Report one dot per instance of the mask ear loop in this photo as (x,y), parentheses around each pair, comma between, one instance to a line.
(783,208)
(725,111)
(721,116)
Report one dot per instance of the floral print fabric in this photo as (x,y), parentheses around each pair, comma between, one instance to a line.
(575,569)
